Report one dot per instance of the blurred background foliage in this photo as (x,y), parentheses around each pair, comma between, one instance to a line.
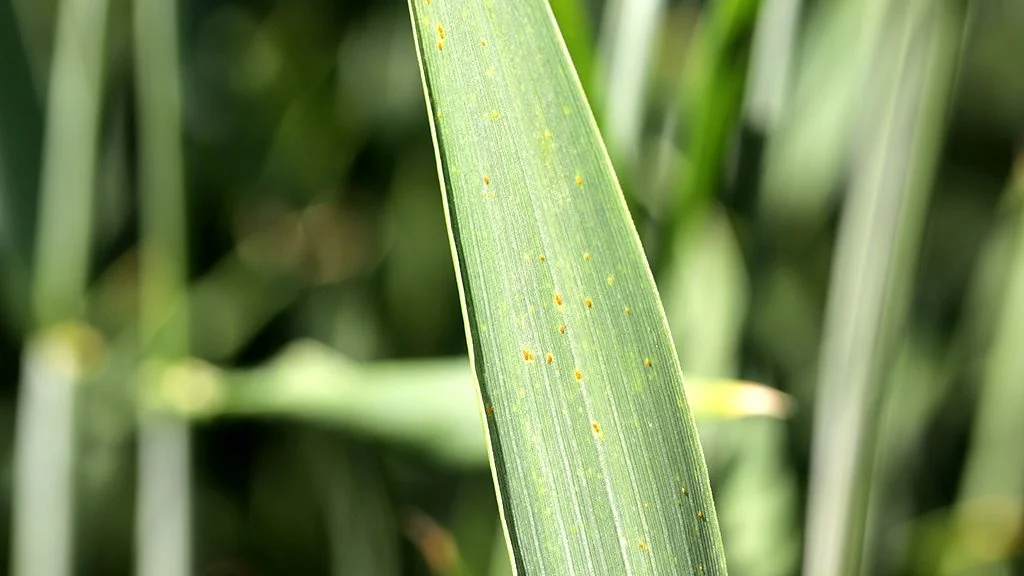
(829,192)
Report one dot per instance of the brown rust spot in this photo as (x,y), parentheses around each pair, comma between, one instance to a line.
(596,428)
(490,409)
(588,302)
(627,310)
(586,256)
(483,42)
(578,374)
(700,515)
(549,358)
(487,180)
(440,31)
(527,355)
(541,258)
(647,362)
(561,329)
(643,546)
(440,45)
(579,180)
(558,299)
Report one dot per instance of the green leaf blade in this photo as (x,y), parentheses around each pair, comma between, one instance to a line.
(594,449)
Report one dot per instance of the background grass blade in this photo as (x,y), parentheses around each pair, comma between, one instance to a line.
(20,139)
(426,404)
(163,513)
(710,105)
(771,60)
(810,153)
(52,366)
(594,450)
(629,33)
(873,269)
(987,517)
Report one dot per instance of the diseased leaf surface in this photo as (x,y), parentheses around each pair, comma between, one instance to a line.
(594,449)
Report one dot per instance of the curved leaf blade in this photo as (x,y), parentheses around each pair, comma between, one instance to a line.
(593,446)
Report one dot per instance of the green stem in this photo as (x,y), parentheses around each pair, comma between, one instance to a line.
(44,446)
(163,523)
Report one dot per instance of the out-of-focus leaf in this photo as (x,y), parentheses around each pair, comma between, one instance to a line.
(436,544)
(20,130)
(707,317)
(757,493)
(351,487)
(873,268)
(428,404)
(710,103)
(628,34)
(163,531)
(985,529)
(808,155)
(770,62)
(43,487)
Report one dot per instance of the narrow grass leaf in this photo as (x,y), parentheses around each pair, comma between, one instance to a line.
(593,446)
(710,104)
(163,507)
(425,404)
(43,485)
(987,519)
(873,270)
(628,35)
